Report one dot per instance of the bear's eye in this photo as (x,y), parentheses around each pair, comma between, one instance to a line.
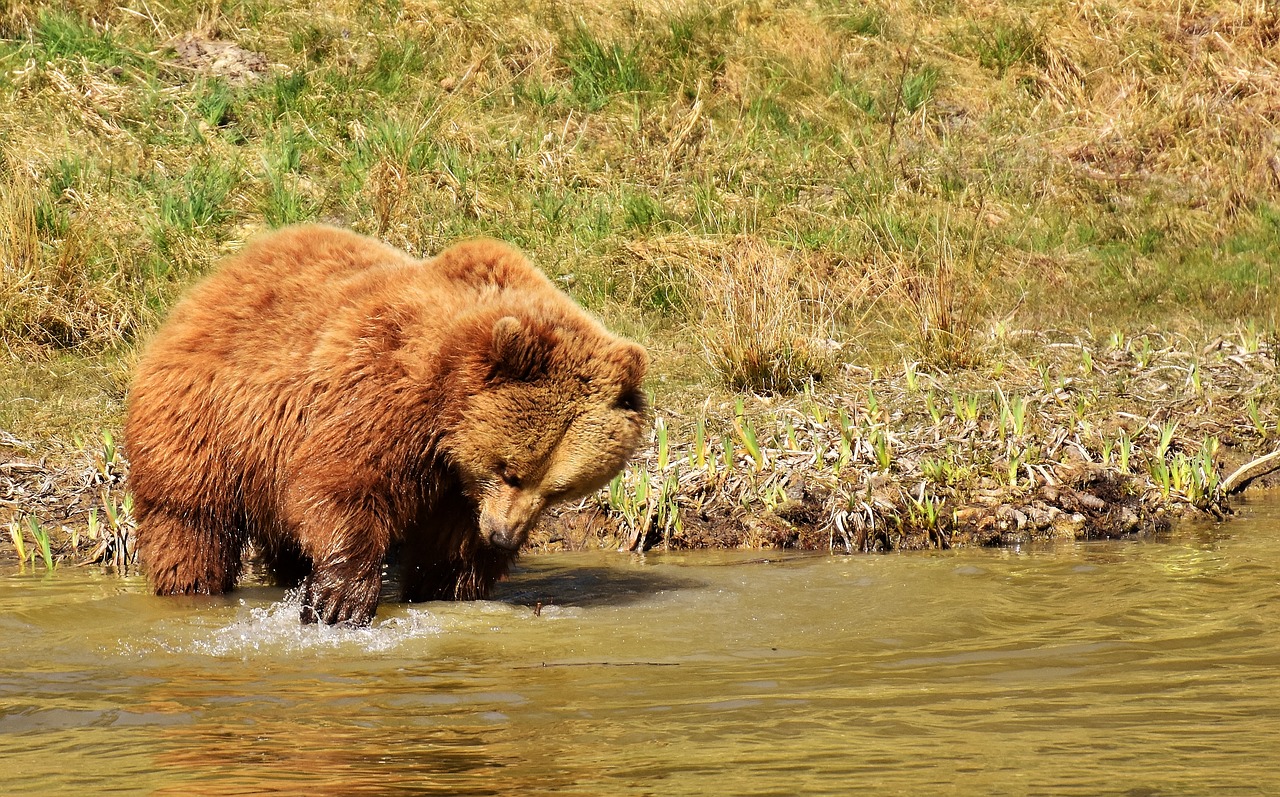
(508,475)
(630,401)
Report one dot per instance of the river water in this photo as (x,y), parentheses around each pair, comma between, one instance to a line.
(1137,667)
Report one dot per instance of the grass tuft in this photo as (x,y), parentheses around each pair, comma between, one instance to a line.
(760,329)
(600,71)
(66,35)
(1001,45)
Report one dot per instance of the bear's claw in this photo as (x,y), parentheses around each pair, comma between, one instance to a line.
(337,606)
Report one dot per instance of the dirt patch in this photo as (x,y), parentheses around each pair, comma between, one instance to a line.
(81,504)
(1088,503)
(218,58)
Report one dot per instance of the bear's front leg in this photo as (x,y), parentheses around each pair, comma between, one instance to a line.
(346,539)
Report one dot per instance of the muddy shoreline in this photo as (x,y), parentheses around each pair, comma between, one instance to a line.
(1062,437)
(1068,436)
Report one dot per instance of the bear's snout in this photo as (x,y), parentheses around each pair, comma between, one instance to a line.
(507,518)
(502,535)
(504,539)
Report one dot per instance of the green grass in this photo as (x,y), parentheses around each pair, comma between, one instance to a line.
(927,172)
(64,35)
(1000,45)
(601,71)
(197,199)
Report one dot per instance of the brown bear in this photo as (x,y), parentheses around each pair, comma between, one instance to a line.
(325,397)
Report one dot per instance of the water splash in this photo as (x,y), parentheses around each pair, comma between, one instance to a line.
(275,629)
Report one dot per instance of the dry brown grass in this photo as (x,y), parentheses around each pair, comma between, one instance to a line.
(47,298)
(766,325)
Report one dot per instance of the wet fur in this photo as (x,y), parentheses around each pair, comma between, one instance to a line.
(325,396)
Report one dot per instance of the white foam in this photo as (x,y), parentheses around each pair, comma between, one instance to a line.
(276,629)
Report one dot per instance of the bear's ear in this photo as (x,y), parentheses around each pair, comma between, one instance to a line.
(629,363)
(633,362)
(513,352)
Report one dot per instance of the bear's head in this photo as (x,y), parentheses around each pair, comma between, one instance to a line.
(554,412)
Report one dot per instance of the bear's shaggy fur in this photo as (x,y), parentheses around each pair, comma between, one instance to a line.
(326,396)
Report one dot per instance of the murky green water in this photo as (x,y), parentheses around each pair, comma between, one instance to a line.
(1133,667)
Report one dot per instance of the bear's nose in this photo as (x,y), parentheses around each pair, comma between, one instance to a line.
(504,539)
(505,535)
(506,520)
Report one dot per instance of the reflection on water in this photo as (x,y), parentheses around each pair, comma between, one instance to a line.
(1138,667)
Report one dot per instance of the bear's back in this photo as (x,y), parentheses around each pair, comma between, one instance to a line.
(265,309)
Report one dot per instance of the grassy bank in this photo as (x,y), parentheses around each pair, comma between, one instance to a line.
(1070,437)
(768,194)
